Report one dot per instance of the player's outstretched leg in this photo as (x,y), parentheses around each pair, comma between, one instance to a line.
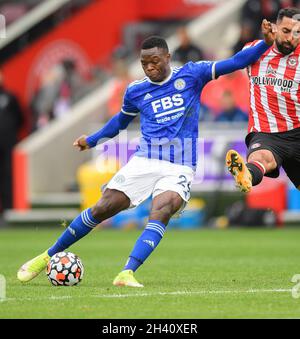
(110,204)
(163,207)
(237,167)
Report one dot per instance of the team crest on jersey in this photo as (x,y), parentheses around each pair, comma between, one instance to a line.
(292,62)
(179,84)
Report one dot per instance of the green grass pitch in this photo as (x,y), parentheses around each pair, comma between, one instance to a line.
(234,273)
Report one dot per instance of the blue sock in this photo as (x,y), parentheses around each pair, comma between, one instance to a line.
(145,244)
(79,227)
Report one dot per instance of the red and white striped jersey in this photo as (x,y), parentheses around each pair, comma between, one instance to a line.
(274,91)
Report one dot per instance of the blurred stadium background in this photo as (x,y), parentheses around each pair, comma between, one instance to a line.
(68,62)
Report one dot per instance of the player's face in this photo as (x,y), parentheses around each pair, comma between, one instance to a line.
(156,63)
(288,35)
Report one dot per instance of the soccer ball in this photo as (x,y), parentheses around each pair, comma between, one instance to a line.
(65,269)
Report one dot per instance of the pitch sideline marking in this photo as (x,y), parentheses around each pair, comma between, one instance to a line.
(190,293)
(151,294)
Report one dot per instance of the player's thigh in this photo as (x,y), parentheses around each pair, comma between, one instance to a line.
(111,203)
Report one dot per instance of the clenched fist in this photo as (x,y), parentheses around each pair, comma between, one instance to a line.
(81,143)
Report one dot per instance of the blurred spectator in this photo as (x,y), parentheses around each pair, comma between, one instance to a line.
(11,120)
(291,3)
(186,51)
(247,35)
(13,11)
(121,81)
(63,102)
(237,83)
(230,112)
(43,100)
(68,89)
(206,113)
(254,11)
(60,87)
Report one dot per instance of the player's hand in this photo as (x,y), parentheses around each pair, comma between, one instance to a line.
(81,143)
(269,31)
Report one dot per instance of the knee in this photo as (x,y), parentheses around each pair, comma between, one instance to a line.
(266,158)
(260,158)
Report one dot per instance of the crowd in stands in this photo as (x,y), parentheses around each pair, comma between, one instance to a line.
(62,86)
(59,89)
(11,120)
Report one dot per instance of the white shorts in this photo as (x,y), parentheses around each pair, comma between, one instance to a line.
(142,177)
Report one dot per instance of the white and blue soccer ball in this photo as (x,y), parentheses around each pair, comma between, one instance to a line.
(65,269)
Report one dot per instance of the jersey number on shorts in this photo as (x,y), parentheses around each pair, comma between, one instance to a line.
(185,184)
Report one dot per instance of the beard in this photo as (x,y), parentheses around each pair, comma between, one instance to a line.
(285,48)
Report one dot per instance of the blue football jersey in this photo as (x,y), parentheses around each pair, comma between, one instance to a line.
(169,112)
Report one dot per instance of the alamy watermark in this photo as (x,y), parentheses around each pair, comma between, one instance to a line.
(186,151)
(2,27)
(2,288)
(296,288)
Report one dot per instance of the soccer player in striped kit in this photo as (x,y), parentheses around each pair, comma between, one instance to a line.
(167,100)
(274,122)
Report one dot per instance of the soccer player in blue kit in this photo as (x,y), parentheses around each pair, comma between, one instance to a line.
(163,166)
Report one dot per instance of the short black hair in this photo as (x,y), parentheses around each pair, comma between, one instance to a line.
(288,12)
(155,41)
